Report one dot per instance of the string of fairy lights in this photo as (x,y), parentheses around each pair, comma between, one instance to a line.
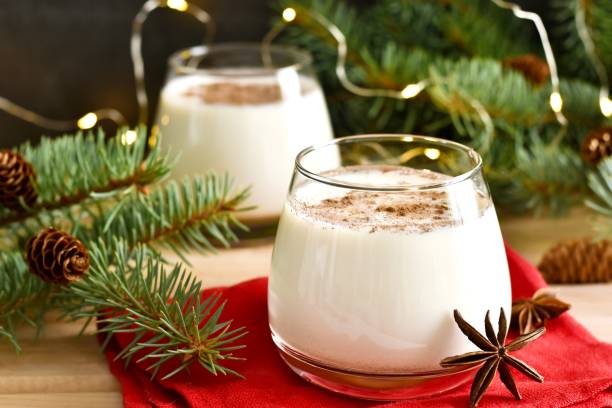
(555,100)
(91,119)
(605,104)
(411,90)
(289,15)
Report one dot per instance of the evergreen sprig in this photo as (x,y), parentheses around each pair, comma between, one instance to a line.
(100,189)
(600,182)
(544,177)
(76,173)
(194,214)
(128,291)
(460,48)
(568,46)
(23,297)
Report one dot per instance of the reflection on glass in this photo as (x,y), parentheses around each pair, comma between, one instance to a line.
(371,258)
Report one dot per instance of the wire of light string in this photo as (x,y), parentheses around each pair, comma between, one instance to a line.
(409,91)
(605,104)
(413,89)
(555,100)
(91,119)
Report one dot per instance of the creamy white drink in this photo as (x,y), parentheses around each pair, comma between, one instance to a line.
(248,125)
(367,281)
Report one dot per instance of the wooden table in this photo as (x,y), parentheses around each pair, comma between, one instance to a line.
(61,370)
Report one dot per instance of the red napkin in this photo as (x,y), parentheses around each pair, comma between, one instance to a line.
(577,368)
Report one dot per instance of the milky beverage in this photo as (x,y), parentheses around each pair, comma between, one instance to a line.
(368,281)
(248,125)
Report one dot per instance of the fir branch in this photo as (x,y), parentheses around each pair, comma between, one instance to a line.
(75,173)
(600,183)
(192,214)
(464,22)
(396,42)
(74,168)
(572,59)
(128,291)
(569,47)
(544,176)
(23,297)
(508,96)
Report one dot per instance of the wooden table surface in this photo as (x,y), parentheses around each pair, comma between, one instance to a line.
(62,370)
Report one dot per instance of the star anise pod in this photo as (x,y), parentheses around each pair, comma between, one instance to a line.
(530,314)
(494,355)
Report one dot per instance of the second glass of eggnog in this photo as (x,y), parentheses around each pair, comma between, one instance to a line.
(245,111)
(373,254)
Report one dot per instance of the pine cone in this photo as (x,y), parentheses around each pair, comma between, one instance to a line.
(578,261)
(534,68)
(56,256)
(17,179)
(597,145)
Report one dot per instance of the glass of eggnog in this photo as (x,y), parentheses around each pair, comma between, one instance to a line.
(380,239)
(244,110)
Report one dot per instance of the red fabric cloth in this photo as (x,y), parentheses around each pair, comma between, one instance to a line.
(577,368)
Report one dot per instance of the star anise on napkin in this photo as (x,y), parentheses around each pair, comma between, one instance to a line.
(494,355)
(530,314)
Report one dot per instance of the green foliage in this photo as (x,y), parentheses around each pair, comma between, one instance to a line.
(102,191)
(127,291)
(460,47)
(573,59)
(75,173)
(23,297)
(600,182)
(183,216)
(544,176)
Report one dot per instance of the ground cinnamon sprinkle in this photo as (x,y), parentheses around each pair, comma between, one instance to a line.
(408,211)
(235,93)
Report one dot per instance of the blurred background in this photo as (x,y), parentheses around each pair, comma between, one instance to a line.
(63,58)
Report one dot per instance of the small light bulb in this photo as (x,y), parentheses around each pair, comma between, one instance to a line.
(129,137)
(556,103)
(289,14)
(605,104)
(433,154)
(180,5)
(153,136)
(411,90)
(87,121)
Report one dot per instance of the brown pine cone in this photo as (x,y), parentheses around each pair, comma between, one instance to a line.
(17,180)
(578,261)
(597,145)
(534,68)
(56,256)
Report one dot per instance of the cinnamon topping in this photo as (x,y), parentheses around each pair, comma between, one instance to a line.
(235,93)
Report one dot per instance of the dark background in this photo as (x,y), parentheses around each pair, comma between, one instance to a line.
(63,58)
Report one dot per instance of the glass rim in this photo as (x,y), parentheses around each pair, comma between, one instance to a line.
(177,60)
(471,153)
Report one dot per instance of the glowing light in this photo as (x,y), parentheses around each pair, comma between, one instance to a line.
(87,121)
(411,90)
(289,14)
(153,136)
(129,137)
(556,103)
(180,5)
(165,119)
(605,104)
(433,154)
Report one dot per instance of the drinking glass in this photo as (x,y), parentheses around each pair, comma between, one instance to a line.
(244,110)
(380,239)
